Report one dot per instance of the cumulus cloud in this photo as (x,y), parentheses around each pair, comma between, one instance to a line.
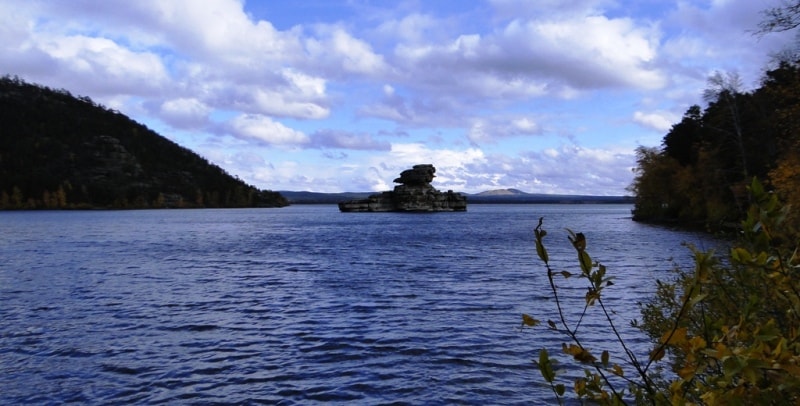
(101,66)
(185,113)
(493,128)
(657,120)
(531,57)
(218,31)
(337,48)
(263,129)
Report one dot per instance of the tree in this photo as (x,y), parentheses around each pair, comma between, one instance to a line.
(701,173)
(652,185)
(726,90)
(684,138)
(785,17)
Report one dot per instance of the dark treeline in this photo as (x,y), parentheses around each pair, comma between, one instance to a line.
(58,151)
(699,175)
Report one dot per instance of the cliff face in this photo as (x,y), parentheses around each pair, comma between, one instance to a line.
(60,151)
(414,194)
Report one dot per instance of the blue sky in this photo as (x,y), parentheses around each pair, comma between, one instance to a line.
(544,96)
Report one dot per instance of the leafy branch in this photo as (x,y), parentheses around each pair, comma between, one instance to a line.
(731,328)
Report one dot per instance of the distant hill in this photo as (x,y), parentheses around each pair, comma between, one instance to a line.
(501,192)
(499,196)
(516,196)
(322,198)
(62,151)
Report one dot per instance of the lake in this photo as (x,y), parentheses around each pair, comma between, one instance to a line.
(304,304)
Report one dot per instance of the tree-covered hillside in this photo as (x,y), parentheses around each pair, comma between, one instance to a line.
(61,151)
(700,174)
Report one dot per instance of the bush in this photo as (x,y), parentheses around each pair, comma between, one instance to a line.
(728,329)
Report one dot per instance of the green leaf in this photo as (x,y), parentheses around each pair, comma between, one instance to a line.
(545,366)
(731,366)
(741,255)
(586,262)
(697,299)
(756,189)
(541,251)
(604,358)
(560,389)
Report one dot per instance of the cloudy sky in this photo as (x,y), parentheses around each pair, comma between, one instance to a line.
(546,96)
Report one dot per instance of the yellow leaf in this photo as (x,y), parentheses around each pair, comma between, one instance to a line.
(617,370)
(529,321)
(697,342)
(586,357)
(580,386)
(686,373)
(571,350)
(580,354)
(657,354)
(674,337)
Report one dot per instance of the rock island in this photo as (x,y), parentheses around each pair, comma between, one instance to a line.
(413,194)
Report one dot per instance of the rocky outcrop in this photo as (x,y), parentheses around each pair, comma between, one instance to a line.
(414,194)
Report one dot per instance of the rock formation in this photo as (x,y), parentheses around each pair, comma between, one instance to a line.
(413,194)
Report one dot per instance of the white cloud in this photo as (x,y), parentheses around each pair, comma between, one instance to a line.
(102,66)
(589,51)
(218,31)
(300,97)
(185,113)
(337,52)
(490,129)
(657,120)
(265,130)
(569,169)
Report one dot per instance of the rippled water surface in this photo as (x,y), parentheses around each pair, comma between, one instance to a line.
(302,304)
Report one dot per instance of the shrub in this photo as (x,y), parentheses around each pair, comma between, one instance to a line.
(728,329)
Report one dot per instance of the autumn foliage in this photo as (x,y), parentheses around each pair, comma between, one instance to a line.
(727,332)
(700,174)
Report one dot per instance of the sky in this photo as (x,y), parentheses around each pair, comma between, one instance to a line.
(544,96)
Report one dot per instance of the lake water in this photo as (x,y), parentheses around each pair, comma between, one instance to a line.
(303,304)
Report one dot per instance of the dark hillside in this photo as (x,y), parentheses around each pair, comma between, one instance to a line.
(62,151)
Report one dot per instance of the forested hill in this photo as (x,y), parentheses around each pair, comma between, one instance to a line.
(700,174)
(61,151)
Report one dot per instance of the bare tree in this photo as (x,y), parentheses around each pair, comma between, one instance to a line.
(782,18)
(725,88)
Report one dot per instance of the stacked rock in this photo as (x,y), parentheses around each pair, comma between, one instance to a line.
(413,194)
